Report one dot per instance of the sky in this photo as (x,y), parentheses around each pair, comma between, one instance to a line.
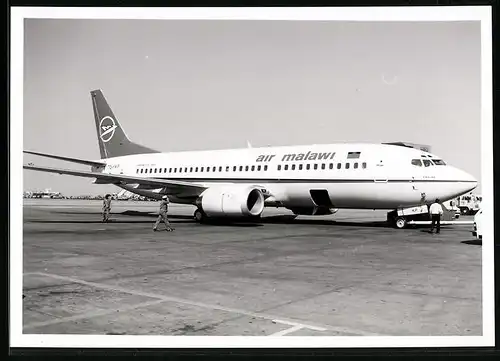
(192,85)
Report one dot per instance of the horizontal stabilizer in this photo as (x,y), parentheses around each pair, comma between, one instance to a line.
(68,159)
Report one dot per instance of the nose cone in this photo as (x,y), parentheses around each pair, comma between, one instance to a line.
(466,180)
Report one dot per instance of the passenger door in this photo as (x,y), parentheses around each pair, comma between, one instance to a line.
(417,177)
(379,172)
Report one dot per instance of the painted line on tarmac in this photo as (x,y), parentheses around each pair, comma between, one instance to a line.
(91,314)
(287,331)
(296,324)
(265,316)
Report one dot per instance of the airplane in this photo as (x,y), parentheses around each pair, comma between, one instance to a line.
(47,193)
(239,183)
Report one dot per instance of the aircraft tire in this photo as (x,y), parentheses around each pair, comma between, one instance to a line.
(199,216)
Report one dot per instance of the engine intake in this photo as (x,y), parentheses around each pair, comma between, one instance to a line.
(232,201)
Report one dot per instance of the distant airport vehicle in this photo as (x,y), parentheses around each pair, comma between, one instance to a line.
(469,204)
(478,225)
(306,179)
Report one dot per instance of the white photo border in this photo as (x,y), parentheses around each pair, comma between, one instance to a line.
(434,13)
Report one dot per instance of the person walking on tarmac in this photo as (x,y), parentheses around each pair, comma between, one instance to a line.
(162,216)
(106,207)
(436,211)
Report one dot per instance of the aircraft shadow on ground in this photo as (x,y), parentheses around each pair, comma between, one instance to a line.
(475,242)
(113,221)
(278,219)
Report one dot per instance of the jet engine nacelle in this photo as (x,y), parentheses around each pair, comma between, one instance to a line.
(232,201)
(314,211)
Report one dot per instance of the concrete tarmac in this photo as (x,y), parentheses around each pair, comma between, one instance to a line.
(345,274)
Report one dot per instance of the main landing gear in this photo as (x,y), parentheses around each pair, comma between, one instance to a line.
(200,216)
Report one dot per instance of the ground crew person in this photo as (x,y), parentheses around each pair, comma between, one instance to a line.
(106,207)
(162,216)
(436,211)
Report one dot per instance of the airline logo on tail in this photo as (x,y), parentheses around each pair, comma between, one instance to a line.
(107,128)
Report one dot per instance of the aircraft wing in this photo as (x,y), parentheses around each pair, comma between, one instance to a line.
(74,160)
(173,187)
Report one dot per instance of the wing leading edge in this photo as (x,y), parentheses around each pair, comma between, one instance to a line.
(172,187)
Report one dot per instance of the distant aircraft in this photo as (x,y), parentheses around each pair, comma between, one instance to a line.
(47,193)
(306,179)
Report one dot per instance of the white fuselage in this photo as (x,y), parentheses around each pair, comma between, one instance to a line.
(370,176)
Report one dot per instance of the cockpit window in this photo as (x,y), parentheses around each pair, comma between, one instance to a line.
(438,162)
(416,162)
(427,162)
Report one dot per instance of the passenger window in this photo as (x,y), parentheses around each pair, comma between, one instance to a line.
(308,166)
(355,165)
(347,166)
(202,169)
(265,167)
(246,168)
(156,170)
(137,170)
(253,168)
(416,162)
(141,170)
(315,166)
(286,166)
(234,168)
(258,168)
(300,166)
(427,162)
(220,169)
(165,170)
(213,169)
(364,165)
(191,169)
(175,170)
(331,165)
(323,166)
(279,166)
(227,168)
(241,168)
(293,166)
(339,165)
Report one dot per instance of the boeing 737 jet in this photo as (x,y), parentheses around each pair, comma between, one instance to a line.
(306,179)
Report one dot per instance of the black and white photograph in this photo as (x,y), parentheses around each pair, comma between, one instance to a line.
(289,177)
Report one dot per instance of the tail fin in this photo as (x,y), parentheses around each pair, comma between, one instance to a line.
(113,142)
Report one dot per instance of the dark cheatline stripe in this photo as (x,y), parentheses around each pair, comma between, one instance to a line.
(315,180)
